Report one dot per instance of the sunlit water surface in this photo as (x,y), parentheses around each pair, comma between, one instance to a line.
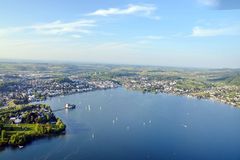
(127,125)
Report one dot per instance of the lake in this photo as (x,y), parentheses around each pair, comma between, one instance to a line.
(118,124)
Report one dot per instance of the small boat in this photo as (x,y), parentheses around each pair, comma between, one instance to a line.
(70,106)
(20,147)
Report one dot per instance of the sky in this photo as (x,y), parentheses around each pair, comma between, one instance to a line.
(186,33)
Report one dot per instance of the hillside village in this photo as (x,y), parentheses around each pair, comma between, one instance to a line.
(36,82)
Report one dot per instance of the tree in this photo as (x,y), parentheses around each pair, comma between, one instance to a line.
(60,125)
(48,128)
(18,139)
(47,118)
(40,129)
(3,134)
(1,103)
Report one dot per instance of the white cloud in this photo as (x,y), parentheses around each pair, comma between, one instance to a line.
(149,39)
(152,37)
(210,3)
(144,9)
(53,28)
(76,36)
(209,32)
(59,27)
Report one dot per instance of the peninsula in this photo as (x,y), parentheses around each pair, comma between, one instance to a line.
(21,124)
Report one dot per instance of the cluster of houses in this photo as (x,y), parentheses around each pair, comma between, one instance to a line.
(226,94)
(16,120)
(150,85)
(37,87)
(103,84)
(32,114)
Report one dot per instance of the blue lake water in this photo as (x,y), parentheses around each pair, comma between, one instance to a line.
(126,125)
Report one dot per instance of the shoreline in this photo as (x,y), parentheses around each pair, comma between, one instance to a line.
(28,123)
(20,146)
(141,90)
(187,96)
(62,95)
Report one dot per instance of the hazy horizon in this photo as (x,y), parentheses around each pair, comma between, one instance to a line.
(37,61)
(195,33)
